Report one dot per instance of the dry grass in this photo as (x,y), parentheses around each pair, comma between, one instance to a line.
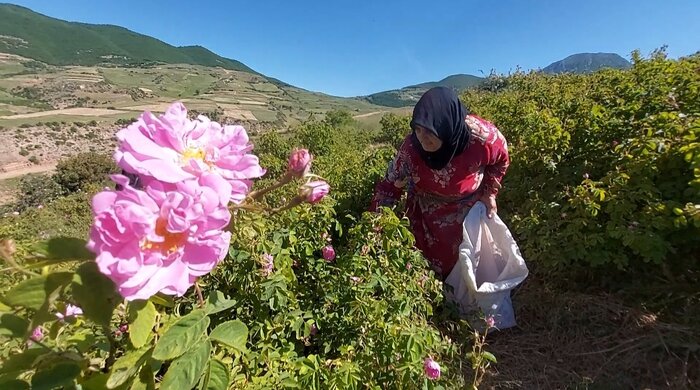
(571,340)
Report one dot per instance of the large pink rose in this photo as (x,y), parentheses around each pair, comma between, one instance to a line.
(171,148)
(162,238)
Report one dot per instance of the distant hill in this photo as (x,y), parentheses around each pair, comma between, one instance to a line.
(456,81)
(587,63)
(57,42)
(408,96)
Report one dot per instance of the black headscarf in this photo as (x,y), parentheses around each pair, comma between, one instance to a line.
(440,112)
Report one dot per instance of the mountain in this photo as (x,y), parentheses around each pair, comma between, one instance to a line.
(576,63)
(408,96)
(587,63)
(57,42)
(456,81)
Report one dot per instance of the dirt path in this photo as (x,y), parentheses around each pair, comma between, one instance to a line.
(368,114)
(27,170)
(80,111)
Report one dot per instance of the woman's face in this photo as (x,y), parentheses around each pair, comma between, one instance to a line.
(428,140)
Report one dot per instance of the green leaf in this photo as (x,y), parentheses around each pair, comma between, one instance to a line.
(83,340)
(231,333)
(127,366)
(217,302)
(32,293)
(181,336)
(162,300)
(13,326)
(23,361)
(142,318)
(60,249)
(217,377)
(146,380)
(184,372)
(96,381)
(14,384)
(488,356)
(57,376)
(95,293)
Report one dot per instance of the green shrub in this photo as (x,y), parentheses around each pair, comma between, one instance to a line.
(605,167)
(35,190)
(394,129)
(82,170)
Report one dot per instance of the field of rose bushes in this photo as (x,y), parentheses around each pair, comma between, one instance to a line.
(239,263)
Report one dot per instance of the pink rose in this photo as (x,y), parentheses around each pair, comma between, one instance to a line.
(37,334)
(172,148)
(490,321)
(299,162)
(163,238)
(314,191)
(328,252)
(432,368)
(71,311)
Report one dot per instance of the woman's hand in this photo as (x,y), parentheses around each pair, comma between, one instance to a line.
(490,202)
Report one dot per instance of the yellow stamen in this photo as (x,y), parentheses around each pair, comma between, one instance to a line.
(196,153)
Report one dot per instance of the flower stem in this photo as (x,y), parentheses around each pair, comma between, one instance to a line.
(111,358)
(199,294)
(41,344)
(256,195)
(247,206)
(7,256)
(296,201)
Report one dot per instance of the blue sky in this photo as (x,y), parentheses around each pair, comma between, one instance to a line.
(350,48)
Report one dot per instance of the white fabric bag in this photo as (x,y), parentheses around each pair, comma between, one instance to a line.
(489,266)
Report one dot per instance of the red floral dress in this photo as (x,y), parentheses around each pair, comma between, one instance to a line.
(439,200)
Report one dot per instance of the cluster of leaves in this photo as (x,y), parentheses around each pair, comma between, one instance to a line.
(362,319)
(607,163)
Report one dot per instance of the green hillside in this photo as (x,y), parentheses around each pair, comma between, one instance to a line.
(456,81)
(408,96)
(57,42)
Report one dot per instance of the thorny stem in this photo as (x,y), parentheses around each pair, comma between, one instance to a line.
(256,195)
(199,294)
(312,175)
(292,203)
(41,344)
(111,358)
(13,264)
(479,369)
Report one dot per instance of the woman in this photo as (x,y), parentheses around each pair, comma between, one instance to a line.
(451,160)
